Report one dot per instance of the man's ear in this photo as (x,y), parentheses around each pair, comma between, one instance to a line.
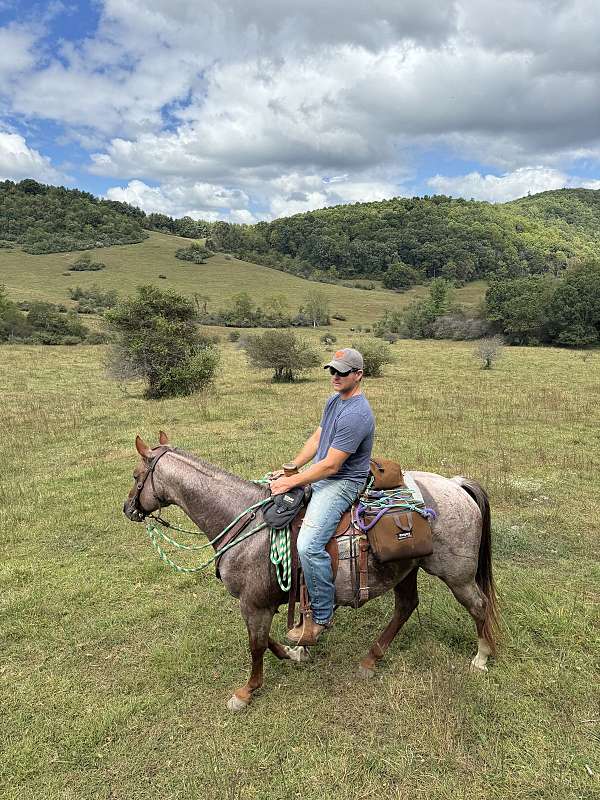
(163,438)
(142,448)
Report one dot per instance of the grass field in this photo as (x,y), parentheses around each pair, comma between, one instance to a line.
(115,671)
(29,277)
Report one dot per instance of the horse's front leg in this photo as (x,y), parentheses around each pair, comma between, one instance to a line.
(258,622)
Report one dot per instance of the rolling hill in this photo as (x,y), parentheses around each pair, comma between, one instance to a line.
(45,277)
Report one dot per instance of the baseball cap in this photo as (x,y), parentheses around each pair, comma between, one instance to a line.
(345,359)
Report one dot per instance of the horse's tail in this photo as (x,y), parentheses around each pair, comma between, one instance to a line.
(484,577)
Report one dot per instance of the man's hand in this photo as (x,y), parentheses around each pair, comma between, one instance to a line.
(277,473)
(283,485)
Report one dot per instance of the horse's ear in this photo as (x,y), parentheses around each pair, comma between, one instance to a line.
(163,438)
(142,448)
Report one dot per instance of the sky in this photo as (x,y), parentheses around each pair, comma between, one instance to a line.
(243,110)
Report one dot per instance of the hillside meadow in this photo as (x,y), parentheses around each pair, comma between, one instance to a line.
(42,278)
(115,671)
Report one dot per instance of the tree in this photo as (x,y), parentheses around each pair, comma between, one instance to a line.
(489,350)
(573,310)
(517,307)
(156,338)
(282,352)
(401,276)
(316,307)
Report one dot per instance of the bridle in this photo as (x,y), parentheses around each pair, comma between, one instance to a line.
(135,500)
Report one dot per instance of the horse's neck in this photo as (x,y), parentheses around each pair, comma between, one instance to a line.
(211,497)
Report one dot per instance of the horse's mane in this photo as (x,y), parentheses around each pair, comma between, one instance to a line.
(212,471)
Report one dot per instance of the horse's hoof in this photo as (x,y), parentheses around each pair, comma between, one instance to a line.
(477,666)
(235,704)
(299,654)
(365,672)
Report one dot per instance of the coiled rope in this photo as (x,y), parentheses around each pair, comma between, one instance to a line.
(279,547)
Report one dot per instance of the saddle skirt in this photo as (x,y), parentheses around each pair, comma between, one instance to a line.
(394,525)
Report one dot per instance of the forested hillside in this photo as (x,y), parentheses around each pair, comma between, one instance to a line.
(575,211)
(52,219)
(404,241)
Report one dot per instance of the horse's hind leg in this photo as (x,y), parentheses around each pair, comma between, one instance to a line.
(258,622)
(406,600)
(473,599)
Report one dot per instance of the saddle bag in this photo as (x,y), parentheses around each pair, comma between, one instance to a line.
(283,507)
(399,535)
(387,474)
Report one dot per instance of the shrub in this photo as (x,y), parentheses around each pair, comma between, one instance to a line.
(339,317)
(282,352)
(234,336)
(49,326)
(489,350)
(195,252)
(93,300)
(85,264)
(156,338)
(97,337)
(164,277)
(328,339)
(375,354)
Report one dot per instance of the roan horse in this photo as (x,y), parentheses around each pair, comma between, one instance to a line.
(212,498)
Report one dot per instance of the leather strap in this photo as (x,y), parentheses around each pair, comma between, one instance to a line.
(231,535)
(363,567)
(295,585)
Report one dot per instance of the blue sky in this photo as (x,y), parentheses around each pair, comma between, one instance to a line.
(241,110)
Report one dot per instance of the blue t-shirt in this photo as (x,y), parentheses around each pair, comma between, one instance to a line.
(348,425)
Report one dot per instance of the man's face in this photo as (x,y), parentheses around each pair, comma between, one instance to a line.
(345,383)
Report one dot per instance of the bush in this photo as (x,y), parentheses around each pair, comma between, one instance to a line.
(97,337)
(195,252)
(85,264)
(375,354)
(328,339)
(156,338)
(282,352)
(93,300)
(489,350)
(234,336)
(163,277)
(459,326)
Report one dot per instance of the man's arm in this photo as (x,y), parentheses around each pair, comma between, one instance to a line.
(329,466)
(309,449)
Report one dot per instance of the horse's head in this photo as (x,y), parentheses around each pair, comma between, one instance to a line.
(143,499)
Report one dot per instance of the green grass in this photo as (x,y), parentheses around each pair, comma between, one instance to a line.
(115,672)
(29,277)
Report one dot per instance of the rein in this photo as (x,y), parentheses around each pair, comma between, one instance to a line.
(279,549)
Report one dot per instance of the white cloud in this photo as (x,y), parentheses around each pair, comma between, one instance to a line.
(179,199)
(500,188)
(16,52)
(236,105)
(295,193)
(18,161)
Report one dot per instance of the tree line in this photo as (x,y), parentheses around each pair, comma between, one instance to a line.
(410,240)
(561,310)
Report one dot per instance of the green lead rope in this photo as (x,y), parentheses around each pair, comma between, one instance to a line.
(279,549)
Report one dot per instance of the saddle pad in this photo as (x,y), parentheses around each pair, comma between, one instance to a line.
(411,484)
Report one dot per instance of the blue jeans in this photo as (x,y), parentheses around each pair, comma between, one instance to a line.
(330,498)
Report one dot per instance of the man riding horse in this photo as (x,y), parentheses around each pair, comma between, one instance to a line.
(340,449)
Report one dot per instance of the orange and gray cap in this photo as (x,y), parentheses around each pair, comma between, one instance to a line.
(345,360)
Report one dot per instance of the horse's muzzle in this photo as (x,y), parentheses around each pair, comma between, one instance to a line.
(132,513)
